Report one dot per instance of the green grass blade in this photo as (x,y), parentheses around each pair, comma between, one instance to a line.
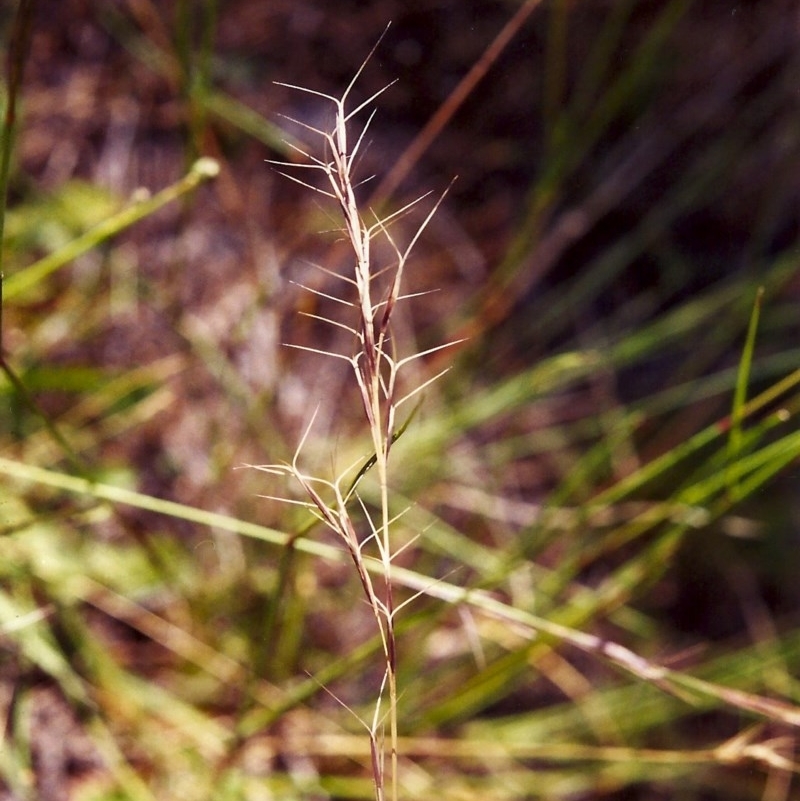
(22,281)
(740,393)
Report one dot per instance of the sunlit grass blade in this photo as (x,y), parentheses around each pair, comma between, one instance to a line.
(740,394)
(23,280)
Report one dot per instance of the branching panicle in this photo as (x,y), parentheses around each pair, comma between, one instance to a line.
(375,366)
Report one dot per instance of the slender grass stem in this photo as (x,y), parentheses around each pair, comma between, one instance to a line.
(376,367)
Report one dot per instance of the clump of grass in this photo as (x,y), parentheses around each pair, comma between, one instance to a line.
(560,572)
(374,292)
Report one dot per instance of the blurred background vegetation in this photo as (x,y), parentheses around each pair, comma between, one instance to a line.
(611,450)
